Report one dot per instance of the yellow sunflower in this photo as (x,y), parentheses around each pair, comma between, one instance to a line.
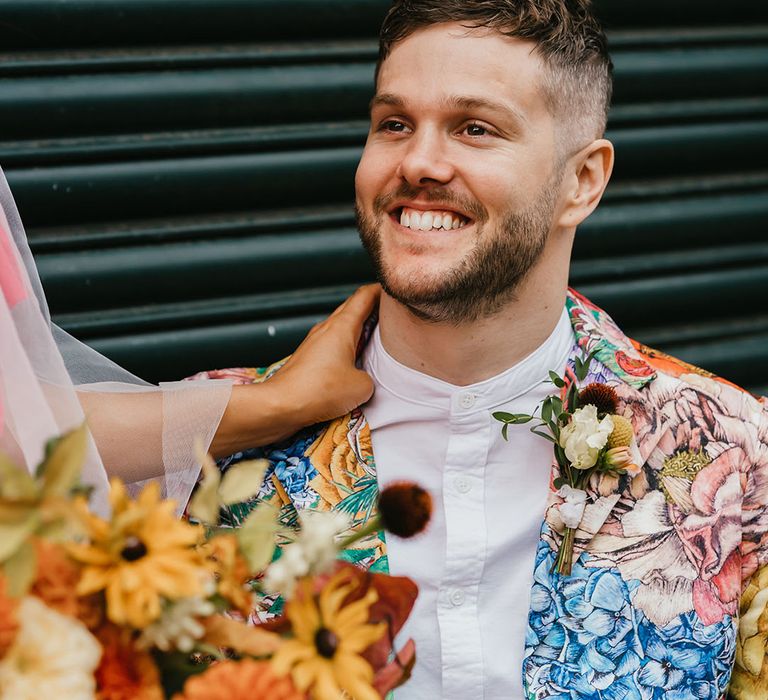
(324,657)
(143,554)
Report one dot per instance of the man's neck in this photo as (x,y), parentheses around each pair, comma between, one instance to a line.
(463,354)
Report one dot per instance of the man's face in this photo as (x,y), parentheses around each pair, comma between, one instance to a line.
(457,185)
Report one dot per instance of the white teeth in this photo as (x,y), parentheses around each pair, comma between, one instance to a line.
(430,220)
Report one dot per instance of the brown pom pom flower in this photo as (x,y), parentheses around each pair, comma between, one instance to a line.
(601,396)
(404,508)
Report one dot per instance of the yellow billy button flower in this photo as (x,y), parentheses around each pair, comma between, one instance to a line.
(140,556)
(622,433)
(324,657)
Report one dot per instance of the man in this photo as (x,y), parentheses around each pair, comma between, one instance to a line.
(485,153)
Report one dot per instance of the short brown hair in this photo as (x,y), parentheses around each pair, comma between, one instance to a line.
(569,39)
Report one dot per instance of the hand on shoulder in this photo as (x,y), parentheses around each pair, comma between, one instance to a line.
(317,383)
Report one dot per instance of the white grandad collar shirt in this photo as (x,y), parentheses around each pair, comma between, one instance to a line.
(474,564)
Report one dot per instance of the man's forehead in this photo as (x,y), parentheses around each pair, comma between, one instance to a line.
(453,61)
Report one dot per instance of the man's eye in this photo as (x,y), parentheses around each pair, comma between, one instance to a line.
(393,126)
(476,130)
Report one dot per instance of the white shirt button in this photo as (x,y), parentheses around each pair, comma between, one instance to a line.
(467,400)
(462,484)
(457,597)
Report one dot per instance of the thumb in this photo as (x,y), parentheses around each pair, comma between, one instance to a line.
(363,386)
(359,306)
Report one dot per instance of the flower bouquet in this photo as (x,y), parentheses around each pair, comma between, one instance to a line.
(144,606)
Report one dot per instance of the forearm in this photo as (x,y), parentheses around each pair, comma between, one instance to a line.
(128,427)
(144,433)
(255,415)
(128,430)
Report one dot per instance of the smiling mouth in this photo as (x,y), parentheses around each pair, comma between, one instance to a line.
(432,220)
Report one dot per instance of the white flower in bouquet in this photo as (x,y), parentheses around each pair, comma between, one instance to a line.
(282,574)
(318,537)
(52,656)
(584,437)
(178,625)
(313,551)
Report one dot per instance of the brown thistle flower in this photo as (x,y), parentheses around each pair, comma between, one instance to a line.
(601,396)
(404,508)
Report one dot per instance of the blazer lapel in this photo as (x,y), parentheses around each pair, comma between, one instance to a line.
(618,364)
(342,456)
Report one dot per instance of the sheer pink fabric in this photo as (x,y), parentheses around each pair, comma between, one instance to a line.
(50,383)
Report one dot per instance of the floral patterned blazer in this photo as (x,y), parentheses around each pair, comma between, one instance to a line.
(668,597)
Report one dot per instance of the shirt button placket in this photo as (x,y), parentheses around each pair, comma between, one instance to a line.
(463,499)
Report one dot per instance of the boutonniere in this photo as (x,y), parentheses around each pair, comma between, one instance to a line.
(590,441)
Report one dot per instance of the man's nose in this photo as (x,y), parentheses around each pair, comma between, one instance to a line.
(425,160)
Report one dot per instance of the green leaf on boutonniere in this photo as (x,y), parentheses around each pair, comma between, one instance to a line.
(559,482)
(541,434)
(512,418)
(546,410)
(572,398)
(504,431)
(581,365)
(556,379)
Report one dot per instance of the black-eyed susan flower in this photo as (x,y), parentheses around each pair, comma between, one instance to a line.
(324,657)
(139,557)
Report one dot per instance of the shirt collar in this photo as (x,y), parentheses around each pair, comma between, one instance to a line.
(593,329)
(419,388)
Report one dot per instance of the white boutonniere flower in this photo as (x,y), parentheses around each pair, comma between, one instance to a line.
(572,508)
(584,437)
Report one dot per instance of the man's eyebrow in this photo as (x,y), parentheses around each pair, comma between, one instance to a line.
(470,103)
(464,103)
(386,99)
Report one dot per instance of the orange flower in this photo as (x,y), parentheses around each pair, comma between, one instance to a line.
(56,582)
(9,623)
(125,672)
(231,572)
(241,680)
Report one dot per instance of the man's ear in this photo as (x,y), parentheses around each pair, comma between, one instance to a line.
(587,177)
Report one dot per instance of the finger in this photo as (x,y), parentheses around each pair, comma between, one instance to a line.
(360,305)
(361,295)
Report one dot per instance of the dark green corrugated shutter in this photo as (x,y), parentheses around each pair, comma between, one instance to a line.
(185,169)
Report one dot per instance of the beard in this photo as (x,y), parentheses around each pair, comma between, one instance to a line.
(487,278)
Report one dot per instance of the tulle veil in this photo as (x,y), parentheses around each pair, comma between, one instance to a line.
(50,382)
